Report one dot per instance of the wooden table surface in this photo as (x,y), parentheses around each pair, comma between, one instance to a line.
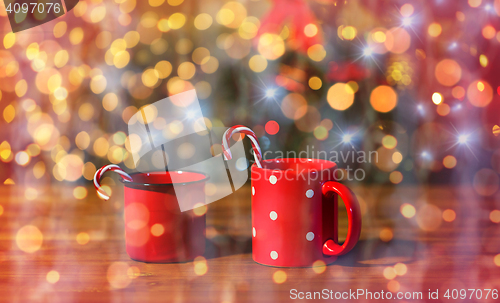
(436,254)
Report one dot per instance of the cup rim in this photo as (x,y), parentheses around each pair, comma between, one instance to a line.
(295,160)
(127,183)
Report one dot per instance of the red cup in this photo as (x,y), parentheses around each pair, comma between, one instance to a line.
(155,228)
(294,213)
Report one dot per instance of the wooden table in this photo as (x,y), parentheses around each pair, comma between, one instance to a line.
(437,254)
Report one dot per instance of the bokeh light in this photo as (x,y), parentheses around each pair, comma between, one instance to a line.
(340,96)
(52,277)
(408,210)
(117,275)
(29,239)
(279,277)
(82,238)
(449,215)
(448,72)
(480,93)
(383,98)
(386,234)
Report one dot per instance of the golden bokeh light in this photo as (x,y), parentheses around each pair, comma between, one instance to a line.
(31,193)
(52,277)
(294,106)
(474,3)
(200,209)
(279,277)
(489,32)
(483,60)
(396,177)
(319,266)
(393,286)
(310,30)
(406,10)
(316,52)
(495,216)
(210,65)
(22,158)
(257,63)
(150,77)
(203,21)
(386,234)
(76,35)
(400,269)
(480,93)
(157,230)
(200,266)
(133,272)
(249,28)
(117,275)
(389,141)
(397,40)
(437,98)
(110,101)
(164,69)
(70,167)
(429,217)
(186,70)
(434,30)
(39,169)
(448,72)
(271,46)
(60,29)
(443,109)
(340,96)
(347,32)
(449,215)
(449,162)
(408,210)
(486,182)
(29,239)
(383,99)
(82,238)
(80,192)
(200,54)
(389,273)
(315,83)
(9,40)
(231,14)
(176,20)
(320,133)
(496,260)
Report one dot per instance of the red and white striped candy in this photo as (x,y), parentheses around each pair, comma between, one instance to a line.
(101,171)
(253,138)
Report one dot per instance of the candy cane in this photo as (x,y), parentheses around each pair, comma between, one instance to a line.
(101,171)
(247,131)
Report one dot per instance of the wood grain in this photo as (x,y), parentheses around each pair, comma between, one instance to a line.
(457,254)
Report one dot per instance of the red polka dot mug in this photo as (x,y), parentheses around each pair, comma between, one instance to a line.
(294,213)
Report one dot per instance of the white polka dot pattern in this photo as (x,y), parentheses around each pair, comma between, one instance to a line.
(254,232)
(309,193)
(310,236)
(273,179)
(273,215)
(253,191)
(274,255)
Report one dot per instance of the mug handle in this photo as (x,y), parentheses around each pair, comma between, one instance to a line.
(331,247)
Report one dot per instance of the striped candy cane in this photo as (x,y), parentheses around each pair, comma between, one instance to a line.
(247,131)
(101,171)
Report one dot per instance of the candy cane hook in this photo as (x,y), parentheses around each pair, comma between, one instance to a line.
(101,171)
(253,138)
